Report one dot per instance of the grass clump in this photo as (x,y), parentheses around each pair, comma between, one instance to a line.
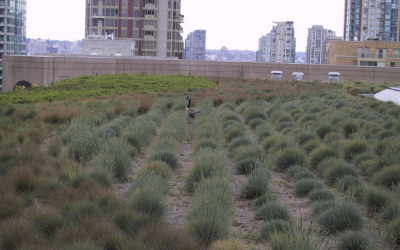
(206,164)
(394,230)
(334,173)
(348,183)
(388,177)
(131,222)
(289,157)
(319,207)
(293,240)
(165,155)
(271,227)
(231,244)
(47,222)
(353,240)
(349,128)
(239,142)
(354,148)
(376,199)
(391,212)
(303,187)
(320,154)
(146,201)
(257,183)
(273,210)
(321,195)
(159,168)
(247,165)
(341,217)
(324,129)
(114,157)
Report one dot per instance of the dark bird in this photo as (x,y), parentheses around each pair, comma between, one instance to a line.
(191,112)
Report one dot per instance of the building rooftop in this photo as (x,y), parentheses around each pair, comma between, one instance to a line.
(391,94)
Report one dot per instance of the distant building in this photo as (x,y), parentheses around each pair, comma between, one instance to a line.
(364,53)
(155,25)
(195,45)
(317,36)
(98,45)
(279,45)
(367,20)
(12,30)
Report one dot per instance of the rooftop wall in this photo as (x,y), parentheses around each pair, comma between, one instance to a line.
(43,70)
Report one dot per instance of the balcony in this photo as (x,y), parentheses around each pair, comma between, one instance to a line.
(181,18)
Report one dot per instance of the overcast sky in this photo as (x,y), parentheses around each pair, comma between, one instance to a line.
(230,23)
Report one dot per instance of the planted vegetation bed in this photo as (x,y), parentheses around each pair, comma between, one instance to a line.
(90,85)
(62,164)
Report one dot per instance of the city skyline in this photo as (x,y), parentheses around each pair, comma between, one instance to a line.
(228,23)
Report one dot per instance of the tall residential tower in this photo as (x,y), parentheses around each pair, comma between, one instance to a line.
(317,37)
(155,25)
(279,45)
(12,30)
(195,45)
(371,20)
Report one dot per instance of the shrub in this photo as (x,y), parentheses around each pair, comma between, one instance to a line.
(146,201)
(47,222)
(394,230)
(165,155)
(341,217)
(289,157)
(388,177)
(334,173)
(273,210)
(320,154)
(274,226)
(257,183)
(247,165)
(353,148)
(352,240)
(348,183)
(376,199)
(321,195)
(303,187)
(391,212)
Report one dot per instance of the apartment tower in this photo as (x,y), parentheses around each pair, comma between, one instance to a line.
(371,20)
(279,45)
(195,45)
(317,37)
(154,25)
(12,30)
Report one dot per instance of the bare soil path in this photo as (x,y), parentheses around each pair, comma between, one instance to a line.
(179,201)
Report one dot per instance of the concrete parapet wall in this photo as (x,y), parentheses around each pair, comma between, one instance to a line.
(43,70)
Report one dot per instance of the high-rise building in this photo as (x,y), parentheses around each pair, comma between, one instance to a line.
(12,30)
(154,25)
(371,19)
(279,45)
(195,45)
(317,36)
